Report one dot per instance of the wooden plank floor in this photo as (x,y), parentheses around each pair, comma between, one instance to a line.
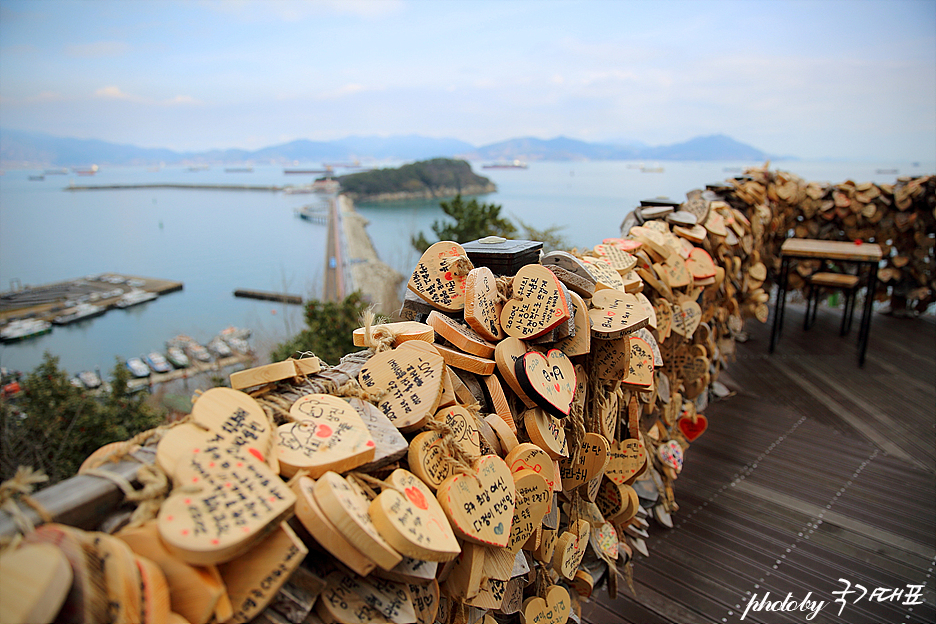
(814,471)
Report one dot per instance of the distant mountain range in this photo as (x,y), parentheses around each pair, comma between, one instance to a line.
(36,149)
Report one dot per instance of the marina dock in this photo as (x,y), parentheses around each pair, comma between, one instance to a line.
(197,368)
(47,301)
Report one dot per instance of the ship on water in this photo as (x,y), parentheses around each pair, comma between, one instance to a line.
(513,164)
(80,312)
(24,328)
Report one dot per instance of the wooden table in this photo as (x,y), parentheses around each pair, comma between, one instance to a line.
(863,254)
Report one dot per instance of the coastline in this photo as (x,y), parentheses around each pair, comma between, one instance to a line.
(440,192)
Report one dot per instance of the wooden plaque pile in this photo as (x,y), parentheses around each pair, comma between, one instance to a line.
(899,217)
(497,457)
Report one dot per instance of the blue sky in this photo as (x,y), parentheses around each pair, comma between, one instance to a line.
(826,78)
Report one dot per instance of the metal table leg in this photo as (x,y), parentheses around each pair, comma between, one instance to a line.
(865,330)
(780,305)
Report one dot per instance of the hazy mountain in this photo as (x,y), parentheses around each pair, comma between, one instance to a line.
(560,148)
(714,147)
(32,148)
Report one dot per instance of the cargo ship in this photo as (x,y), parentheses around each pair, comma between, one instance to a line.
(514,164)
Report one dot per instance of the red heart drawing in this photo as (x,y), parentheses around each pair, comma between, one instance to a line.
(416,497)
(693,430)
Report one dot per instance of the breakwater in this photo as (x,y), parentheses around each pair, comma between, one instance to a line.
(173,185)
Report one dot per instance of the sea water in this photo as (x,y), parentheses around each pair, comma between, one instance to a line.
(216,241)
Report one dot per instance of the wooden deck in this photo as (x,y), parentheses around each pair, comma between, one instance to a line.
(815,471)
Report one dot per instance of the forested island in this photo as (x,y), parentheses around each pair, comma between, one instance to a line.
(427,179)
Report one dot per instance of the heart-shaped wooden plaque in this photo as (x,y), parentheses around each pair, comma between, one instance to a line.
(588,462)
(628,461)
(225,494)
(527,456)
(410,518)
(578,342)
(640,367)
(460,335)
(345,504)
(604,540)
(439,276)
(620,260)
(607,278)
(326,433)
(687,315)
(611,358)
(615,313)
(671,454)
(482,305)
(480,506)
(408,380)
(700,264)
(692,428)
(554,609)
(537,306)
(533,498)
(547,379)
(570,548)
(546,432)
(506,354)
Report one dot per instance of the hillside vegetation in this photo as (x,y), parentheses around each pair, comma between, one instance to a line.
(427,179)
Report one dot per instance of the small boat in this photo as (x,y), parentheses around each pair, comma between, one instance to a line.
(235,332)
(90,379)
(157,362)
(654,169)
(219,347)
(137,368)
(24,328)
(86,171)
(177,357)
(238,170)
(238,344)
(887,171)
(37,178)
(513,164)
(197,352)
(198,168)
(80,312)
(134,297)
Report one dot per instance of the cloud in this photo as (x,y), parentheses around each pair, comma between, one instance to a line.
(114,92)
(302,10)
(97,49)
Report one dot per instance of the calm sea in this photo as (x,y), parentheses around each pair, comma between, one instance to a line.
(218,241)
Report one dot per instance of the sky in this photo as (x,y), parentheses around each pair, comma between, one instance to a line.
(850,79)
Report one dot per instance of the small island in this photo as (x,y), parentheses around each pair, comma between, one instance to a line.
(427,179)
